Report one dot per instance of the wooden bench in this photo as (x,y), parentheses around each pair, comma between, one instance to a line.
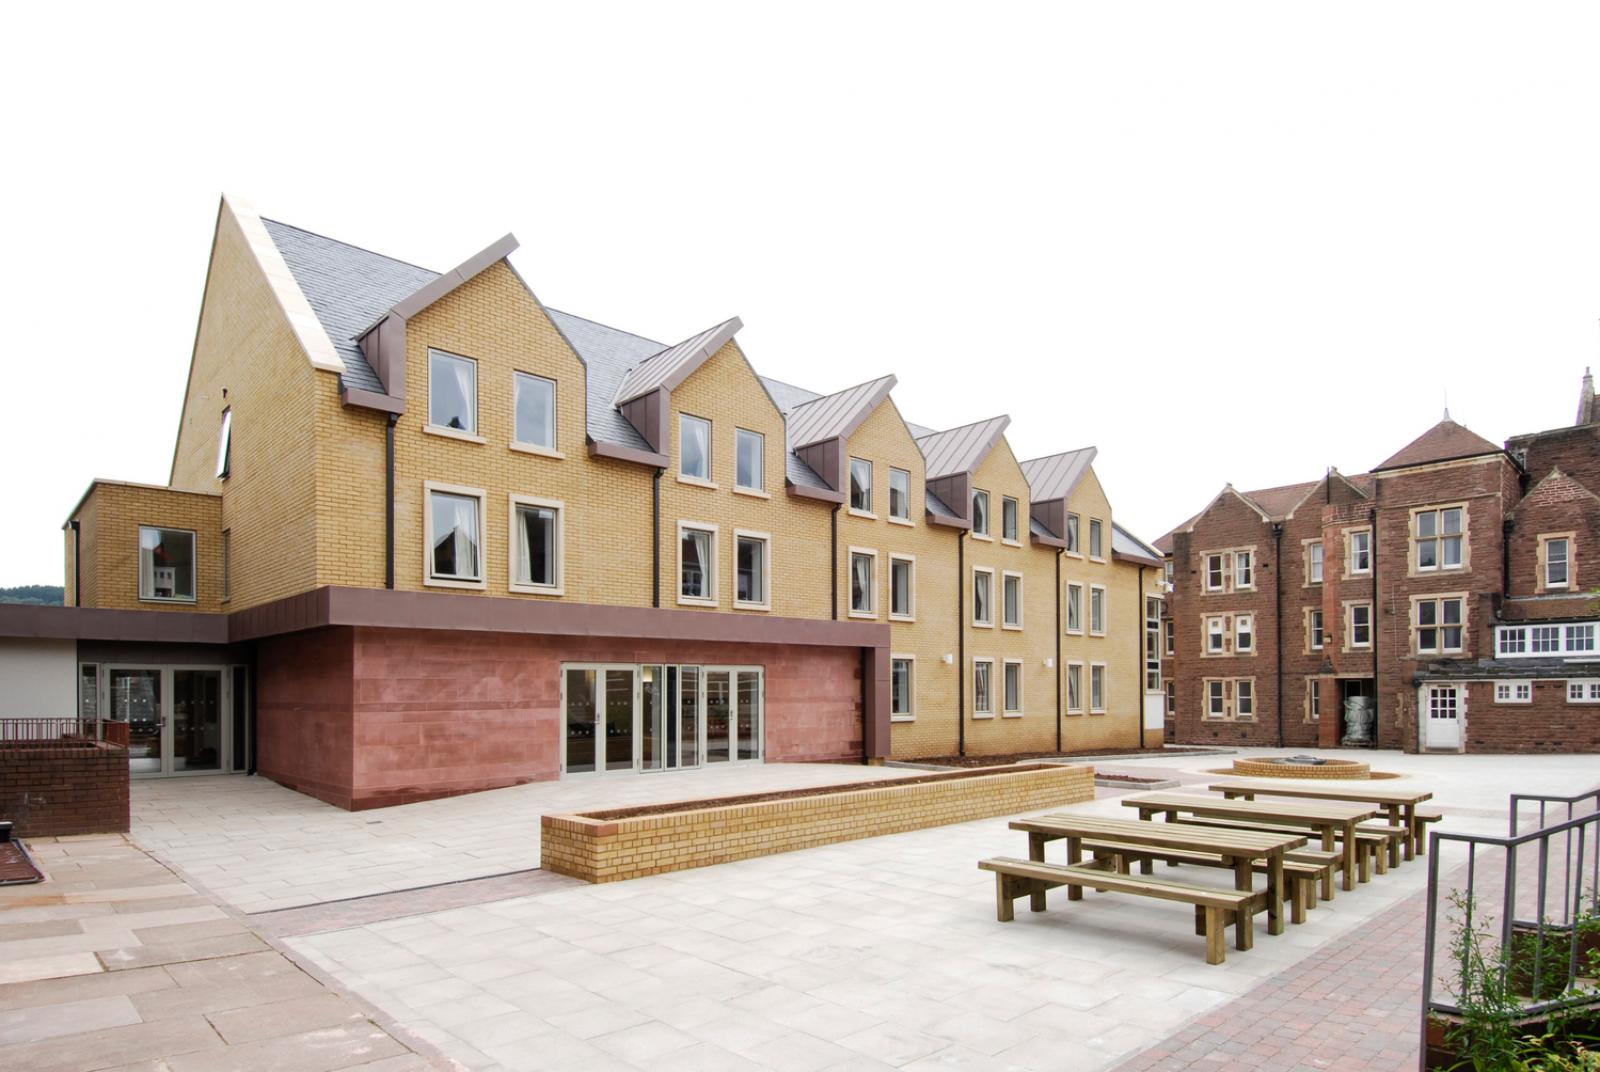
(1301,876)
(1027,878)
(1328,864)
(1396,836)
(1367,845)
(1424,816)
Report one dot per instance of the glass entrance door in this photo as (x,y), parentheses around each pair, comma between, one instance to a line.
(196,720)
(599,705)
(659,717)
(181,720)
(135,698)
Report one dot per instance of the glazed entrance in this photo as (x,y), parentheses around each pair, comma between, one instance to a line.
(656,717)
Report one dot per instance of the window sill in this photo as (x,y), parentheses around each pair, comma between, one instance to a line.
(1079,711)
(1012,628)
(865,515)
(751,606)
(902,718)
(536,589)
(697,482)
(538,451)
(1012,714)
(1097,633)
(980,716)
(985,537)
(1074,554)
(906,521)
(902,617)
(448,582)
(1074,632)
(983,625)
(452,433)
(696,601)
(1097,711)
(865,615)
(1097,558)
(1011,543)
(754,493)
(169,599)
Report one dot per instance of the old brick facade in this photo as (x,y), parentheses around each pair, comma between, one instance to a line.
(1422,562)
(55,788)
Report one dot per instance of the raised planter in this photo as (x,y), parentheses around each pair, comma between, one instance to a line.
(1328,768)
(608,846)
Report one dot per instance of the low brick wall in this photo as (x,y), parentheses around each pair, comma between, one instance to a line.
(1333,768)
(53,788)
(601,849)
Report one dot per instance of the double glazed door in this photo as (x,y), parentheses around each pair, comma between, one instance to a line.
(657,717)
(181,720)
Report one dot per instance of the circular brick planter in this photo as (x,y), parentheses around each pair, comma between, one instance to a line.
(1329,768)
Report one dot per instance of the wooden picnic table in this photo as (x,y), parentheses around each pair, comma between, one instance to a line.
(1335,821)
(1399,803)
(1239,848)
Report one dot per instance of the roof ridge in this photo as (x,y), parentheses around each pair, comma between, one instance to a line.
(829,394)
(958,427)
(1059,454)
(349,245)
(608,327)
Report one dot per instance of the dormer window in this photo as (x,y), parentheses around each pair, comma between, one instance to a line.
(980,513)
(452,392)
(860,486)
(225,444)
(694,447)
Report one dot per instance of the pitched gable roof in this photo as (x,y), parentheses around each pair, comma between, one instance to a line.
(836,415)
(1055,476)
(1125,544)
(959,450)
(1278,503)
(671,366)
(1446,441)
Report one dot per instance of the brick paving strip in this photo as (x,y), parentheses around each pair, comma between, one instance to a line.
(115,961)
(359,911)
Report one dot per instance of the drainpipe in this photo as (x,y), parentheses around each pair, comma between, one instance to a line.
(1138,663)
(1059,668)
(961,642)
(1277,617)
(655,539)
(1372,516)
(77,565)
(833,557)
(388,500)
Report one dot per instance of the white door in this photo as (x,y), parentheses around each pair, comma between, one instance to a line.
(1442,719)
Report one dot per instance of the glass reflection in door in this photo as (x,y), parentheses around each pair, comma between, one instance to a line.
(134,697)
(619,720)
(718,711)
(655,718)
(196,720)
(580,703)
(749,714)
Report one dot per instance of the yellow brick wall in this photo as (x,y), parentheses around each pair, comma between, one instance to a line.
(726,392)
(110,519)
(1119,649)
(244,345)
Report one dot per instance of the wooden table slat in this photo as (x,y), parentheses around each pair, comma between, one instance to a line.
(1366,793)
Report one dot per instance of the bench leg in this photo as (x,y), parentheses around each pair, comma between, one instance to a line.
(1275,895)
(1200,920)
(1351,849)
(1244,928)
(1074,857)
(1365,864)
(1298,891)
(1004,890)
(1215,946)
(1387,855)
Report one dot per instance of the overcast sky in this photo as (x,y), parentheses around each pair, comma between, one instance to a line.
(1220,242)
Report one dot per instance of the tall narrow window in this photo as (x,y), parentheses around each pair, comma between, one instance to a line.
(1361,551)
(694,447)
(1097,688)
(1097,610)
(1313,699)
(860,486)
(750,570)
(1244,573)
(227,564)
(1096,538)
(982,687)
(1216,577)
(863,583)
(1216,634)
(1012,687)
(225,444)
(982,602)
(696,560)
(1314,629)
(748,450)
(1360,622)
(455,552)
(1152,644)
(902,670)
(899,494)
(452,392)
(1439,625)
(1074,608)
(980,513)
(1011,600)
(1556,556)
(1169,627)
(902,587)
(1008,519)
(535,545)
(1314,562)
(1074,687)
(1244,634)
(1073,546)
(535,411)
(1216,699)
(1244,698)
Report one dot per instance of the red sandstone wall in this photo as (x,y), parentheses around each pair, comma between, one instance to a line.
(50,792)
(304,724)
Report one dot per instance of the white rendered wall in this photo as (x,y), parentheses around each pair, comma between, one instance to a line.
(38,678)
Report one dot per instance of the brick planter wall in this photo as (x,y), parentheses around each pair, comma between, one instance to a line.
(51,788)
(599,849)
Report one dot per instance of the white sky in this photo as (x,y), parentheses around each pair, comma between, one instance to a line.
(1220,242)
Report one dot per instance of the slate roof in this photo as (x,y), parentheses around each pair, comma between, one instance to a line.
(837,414)
(959,450)
(1445,441)
(348,288)
(608,353)
(1056,476)
(1277,502)
(936,506)
(1126,543)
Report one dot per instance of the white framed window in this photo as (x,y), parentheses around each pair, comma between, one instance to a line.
(1217,696)
(1244,571)
(1437,537)
(982,688)
(225,444)
(1074,547)
(452,393)
(1544,639)
(1097,688)
(980,514)
(166,565)
(1313,628)
(899,495)
(1244,634)
(752,570)
(1244,698)
(1513,692)
(902,688)
(1152,644)
(1555,557)
(536,545)
(1074,608)
(863,583)
(1097,610)
(982,596)
(1583,691)
(535,417)
(1358,551)
(1216,634)
(1074,688)
(1008,520)
(1314,562)
(1011,600)
(902,588)
(1011,688)
(749,458)
(453,536)
(1439,624)
(1096,538)
(1172,699)
(861,486)
(1579,639)
(1170,628)
(1358,625)
(1313,700)
(1511,640)
(697,563)
(1216,575)
(694,448)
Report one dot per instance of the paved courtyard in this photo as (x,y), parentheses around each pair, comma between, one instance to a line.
(872,954)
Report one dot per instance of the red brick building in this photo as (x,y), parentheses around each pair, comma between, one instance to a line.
(1444,601)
